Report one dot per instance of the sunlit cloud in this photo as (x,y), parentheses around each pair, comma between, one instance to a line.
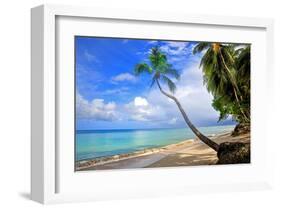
(96,109)
(124,77)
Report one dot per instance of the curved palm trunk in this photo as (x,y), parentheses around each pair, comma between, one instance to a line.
(202,137)
(235,88)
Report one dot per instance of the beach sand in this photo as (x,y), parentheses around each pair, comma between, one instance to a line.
(187,153)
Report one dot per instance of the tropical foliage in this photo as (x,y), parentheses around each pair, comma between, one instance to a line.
(226,73)
(160,68)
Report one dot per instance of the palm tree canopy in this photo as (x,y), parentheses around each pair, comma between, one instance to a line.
(159,68)
(226,74)
(215,76)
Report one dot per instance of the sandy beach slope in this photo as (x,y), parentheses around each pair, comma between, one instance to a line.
(186,153)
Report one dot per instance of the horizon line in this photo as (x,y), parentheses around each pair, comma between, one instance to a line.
(148,128)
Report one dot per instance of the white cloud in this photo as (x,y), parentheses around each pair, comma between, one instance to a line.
(140,110)
(90,57)
(120,91)
(96,109)
(193,96)
(152,42)
(154,107)
(175,48)
(124,77)
(139,101)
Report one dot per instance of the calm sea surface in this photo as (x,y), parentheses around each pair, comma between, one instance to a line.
(100,143)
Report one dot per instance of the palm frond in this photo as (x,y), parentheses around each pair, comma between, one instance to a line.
(228,56)
(141,68)
(172,72)
(169,82)
(161,69)
(157,58)
(201,47)
(153,81)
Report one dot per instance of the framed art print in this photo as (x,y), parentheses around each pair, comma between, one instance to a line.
(122,102)
(135,117)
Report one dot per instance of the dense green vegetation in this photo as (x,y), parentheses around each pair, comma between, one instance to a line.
(226,72)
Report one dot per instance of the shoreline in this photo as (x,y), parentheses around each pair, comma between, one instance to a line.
(82,164)
(149,156)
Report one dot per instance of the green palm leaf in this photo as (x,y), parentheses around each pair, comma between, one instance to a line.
(201,47)
(169,82)
(172,72)
(160,69)
(141,68)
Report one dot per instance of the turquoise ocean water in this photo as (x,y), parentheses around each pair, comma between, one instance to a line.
(100,143)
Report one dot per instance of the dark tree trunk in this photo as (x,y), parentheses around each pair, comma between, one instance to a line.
(202,137)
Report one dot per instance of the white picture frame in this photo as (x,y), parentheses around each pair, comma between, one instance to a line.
(48,166)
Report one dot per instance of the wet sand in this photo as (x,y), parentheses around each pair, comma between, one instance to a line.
(187,153)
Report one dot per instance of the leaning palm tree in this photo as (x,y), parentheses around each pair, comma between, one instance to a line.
(162,72)
(218,67)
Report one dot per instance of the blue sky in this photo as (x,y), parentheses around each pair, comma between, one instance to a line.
(109,96)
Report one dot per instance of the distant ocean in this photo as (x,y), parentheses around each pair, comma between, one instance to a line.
(101,143)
